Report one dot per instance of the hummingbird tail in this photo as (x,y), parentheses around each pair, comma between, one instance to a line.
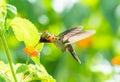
(70,49)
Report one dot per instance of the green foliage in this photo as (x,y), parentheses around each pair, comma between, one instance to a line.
(2,15)
(25,73)
(57,16)
(25,31)
(21,69)
(11,11)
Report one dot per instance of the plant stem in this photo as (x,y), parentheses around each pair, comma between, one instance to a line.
(28,59)
(3,39)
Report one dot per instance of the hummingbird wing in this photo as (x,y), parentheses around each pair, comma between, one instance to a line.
(81,35)
(68,33)
(71,50)
(60,45)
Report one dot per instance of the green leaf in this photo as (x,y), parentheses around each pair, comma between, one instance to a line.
(22,69)
(2,7)
(35,81)
(40,46)
(33,73)
(40,73)
(25,31)
(36,60)
(3,12)
(11,11)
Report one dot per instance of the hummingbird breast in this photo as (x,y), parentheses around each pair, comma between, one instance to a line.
(60,45)
(51,38)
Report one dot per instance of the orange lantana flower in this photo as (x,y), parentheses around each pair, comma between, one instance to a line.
(85,42)
(31,51)
(116,60)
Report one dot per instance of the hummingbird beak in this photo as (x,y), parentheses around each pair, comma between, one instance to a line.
(70,49)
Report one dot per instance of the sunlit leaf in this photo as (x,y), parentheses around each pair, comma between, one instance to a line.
(3,12)
(2,6)
(11,11)
(22,69)
(36,80)
(90,3)
(25,31)
(36,60)
(103,42)
(29,73)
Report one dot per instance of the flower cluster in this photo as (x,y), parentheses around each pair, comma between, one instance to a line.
(116,60)
(85,42)
(31,51)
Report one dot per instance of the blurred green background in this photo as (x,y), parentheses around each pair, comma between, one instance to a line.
(58,15)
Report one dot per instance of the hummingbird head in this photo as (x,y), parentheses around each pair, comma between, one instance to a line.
(47,37)
(44,35)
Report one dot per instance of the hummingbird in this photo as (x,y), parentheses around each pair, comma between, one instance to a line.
(66,38)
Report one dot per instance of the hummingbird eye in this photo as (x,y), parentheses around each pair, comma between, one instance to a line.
(59,39)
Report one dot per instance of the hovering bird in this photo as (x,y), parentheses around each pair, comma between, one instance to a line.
(64,39)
